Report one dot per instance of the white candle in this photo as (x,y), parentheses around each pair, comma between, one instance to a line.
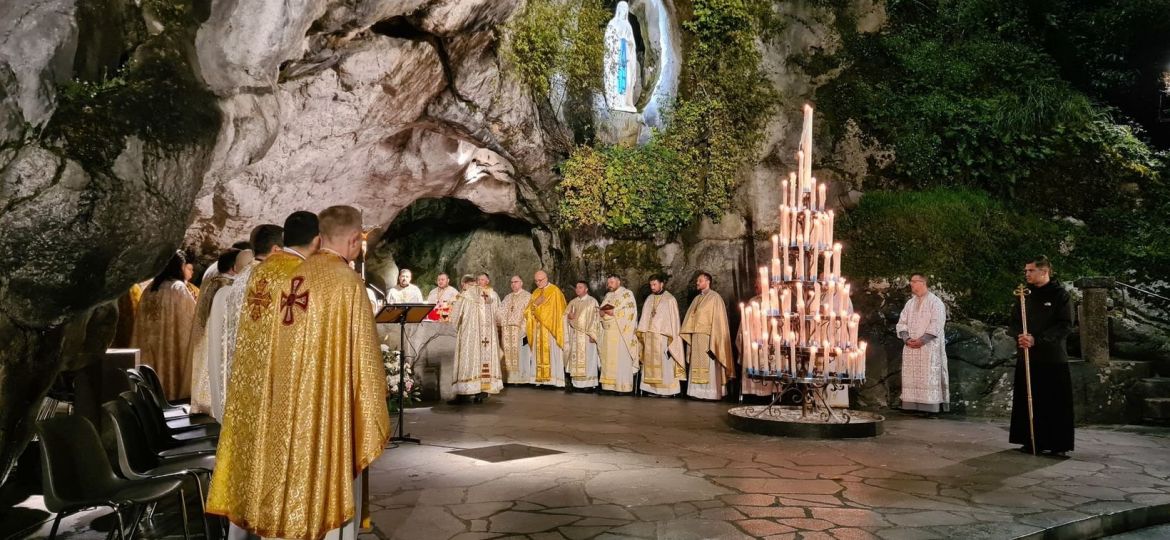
(783,193)
(821,196)
(854,323)
(839,359)
(773,301)
(837,261)
(812,361)
(829,267)
(829,230)
(861,360)
(800,266)
(784,224)
(803,177)
(807,227)
(793,201)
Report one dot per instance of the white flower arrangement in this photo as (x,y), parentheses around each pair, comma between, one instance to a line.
(392,361)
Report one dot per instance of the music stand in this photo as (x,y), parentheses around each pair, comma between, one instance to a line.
(403,314)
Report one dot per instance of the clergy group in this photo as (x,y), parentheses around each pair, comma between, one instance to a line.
(543,338)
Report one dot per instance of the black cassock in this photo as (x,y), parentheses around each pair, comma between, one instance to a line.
(1050,321)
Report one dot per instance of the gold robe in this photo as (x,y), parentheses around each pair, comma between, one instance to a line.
(619,341)
(162,331)
(127,309)
(658,331)
(584,332)
(477,345)
(707,316)
(544,321)
(295,436)
(200,385)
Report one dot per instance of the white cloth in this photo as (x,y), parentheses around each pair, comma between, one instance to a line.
(924,370)
(211,272)
(217,376)
(446,294)
(477,346)
(714,388)
(519,364)
(233,304)
(582,362)
(409,294)
(662,346)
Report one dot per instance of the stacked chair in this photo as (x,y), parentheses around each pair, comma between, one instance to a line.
(150,451)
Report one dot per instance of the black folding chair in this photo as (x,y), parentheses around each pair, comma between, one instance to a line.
(76,475)
(173,413)
(159,440)
(133,459)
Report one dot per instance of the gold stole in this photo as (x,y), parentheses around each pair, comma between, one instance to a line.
(651,355)
(700,361)
(544,322)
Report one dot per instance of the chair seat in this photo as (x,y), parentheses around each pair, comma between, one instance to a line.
(196,433)
(176,412)
(146,490)
(183,463)
(191,420)
(190,448)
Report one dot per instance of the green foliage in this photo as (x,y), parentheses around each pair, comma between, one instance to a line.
(972,245)
(547,38)
(693,168)
(967,95)
(157,101)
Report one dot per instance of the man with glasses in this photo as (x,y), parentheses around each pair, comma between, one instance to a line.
(925,384)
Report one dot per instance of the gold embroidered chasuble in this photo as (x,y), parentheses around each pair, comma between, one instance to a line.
(477,346)
(295,436)
(162,333)
(619,333)
(200,384)
(707,315)
(583,327)
(544,322)
(511,320)
(660,318)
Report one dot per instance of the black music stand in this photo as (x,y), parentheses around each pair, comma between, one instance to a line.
(403,314)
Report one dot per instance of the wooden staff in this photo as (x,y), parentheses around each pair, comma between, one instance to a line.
(1022,292)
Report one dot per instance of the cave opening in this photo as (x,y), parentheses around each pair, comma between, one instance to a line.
(453,236)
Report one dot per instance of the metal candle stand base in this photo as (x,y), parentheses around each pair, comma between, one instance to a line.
(812,416)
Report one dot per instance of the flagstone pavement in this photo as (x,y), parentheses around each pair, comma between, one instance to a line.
(670,468)
(609,467)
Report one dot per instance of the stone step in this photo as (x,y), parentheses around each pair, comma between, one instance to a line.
(1157,409)
(1155,386)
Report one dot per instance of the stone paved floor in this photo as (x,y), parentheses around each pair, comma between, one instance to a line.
(657,468)
(672,469)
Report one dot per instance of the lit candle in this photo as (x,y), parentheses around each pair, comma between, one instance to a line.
(821,196)
(807,230)
(793,201)
(801,268)
(829,267)
(812,361)
(829,230)
(815,236)
(783,194)
(854,322)
(773,365)
(861,360)
(803,177)
(837,261)
(775,247)
(773,302)
(815,305)
(838,360)
(792,353)
(784,223)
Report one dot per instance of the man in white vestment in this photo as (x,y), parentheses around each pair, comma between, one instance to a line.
(404,292)
(207,348)
(582,329)
(544,321)
(477,348)
(662,346)
(619,348)
(925,384)
(519,366)
(708,337)
(442,296)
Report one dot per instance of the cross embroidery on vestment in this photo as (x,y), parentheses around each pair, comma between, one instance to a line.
(291,299)
(258,299)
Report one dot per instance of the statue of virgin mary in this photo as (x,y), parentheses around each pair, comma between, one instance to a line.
(621,62)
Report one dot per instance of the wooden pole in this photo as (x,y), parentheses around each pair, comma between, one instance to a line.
(1022,292)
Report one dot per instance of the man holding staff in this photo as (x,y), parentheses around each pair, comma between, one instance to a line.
(1042,330)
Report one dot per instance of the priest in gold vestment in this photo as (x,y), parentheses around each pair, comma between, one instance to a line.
(582,331)
(619,348)
(708,338)
(298,434)
(518,365)
(544,322)
(266,239)
(477,346)
(162,327)
(662,347)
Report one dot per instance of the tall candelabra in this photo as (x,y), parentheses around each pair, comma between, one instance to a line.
(800,333)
